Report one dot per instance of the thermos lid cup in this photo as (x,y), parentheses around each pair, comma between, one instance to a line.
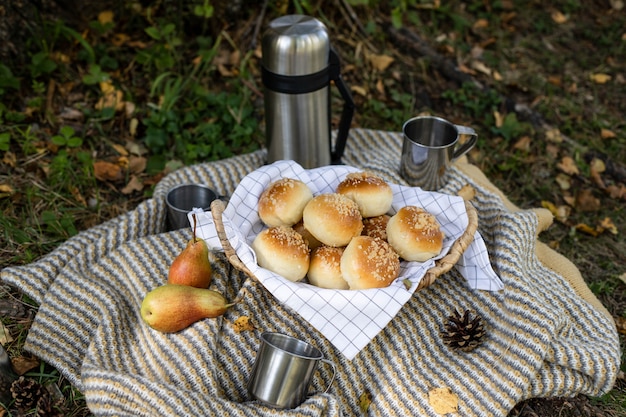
(295,45)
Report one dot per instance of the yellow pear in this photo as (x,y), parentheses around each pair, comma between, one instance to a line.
(192,266)
(171,308)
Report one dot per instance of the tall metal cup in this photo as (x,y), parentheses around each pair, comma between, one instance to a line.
(283,370)
(429,147)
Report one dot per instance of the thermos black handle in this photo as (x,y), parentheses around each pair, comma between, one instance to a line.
(348,107)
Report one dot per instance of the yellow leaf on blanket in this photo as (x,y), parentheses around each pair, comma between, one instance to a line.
(468,192)
(243,323)
(443,400)
(364,402)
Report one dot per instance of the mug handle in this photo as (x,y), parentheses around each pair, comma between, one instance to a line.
(464,148)
(326,361)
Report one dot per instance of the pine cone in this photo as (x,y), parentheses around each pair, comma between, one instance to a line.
(463,332)
(48,407)
(26,393)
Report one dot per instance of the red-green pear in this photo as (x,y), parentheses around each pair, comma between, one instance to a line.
(192,267)
(171,308)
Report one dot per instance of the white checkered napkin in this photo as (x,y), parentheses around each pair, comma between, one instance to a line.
(349,319)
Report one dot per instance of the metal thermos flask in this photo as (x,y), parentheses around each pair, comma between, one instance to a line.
(298,67)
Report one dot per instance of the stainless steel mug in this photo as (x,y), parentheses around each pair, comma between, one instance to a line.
(429,147)
(182,199)
(298,68)
(283,370)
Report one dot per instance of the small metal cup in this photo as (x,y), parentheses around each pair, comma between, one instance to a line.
(283,370)
(182,199)
(429,147)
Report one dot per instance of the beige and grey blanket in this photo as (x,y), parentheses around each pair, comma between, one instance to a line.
(547,335)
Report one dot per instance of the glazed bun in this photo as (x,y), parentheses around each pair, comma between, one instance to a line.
(376,226)
(415,234)
(368,262)
(282,202)
(333,219)
(308,237)
(372,194)
(282,250)
(325,268)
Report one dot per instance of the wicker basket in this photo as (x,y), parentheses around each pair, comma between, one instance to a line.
(442,265)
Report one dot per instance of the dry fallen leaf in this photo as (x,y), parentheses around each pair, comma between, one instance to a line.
(481,23)
(585,201)
(622,277)
(560,213)
(554,135)
(585,228)
(617,192)
(107,171)
(607,134)
(481,67)
(119,39)
(443,400)
(568,165)
(607,224)
(620,323)
(6,188)
(120,149)
(22,364)
(600,78)
(499,118)
(381,62)
(10,159)
(564,181)
(5,335)
(105,17)
(597,167)
(111,97)
(77,195)
(134,184)
(359,90)
(243,323)
(523,144)
(558,17)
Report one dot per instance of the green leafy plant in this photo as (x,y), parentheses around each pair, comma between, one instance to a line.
(475,101)
(95,75)
(162,54)
(67,137)
(511,127)
(7,80)
(5,139)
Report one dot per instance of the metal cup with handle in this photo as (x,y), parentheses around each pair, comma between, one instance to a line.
(429,147)
(283,370)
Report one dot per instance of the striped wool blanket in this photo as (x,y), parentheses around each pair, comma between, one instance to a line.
(547,335)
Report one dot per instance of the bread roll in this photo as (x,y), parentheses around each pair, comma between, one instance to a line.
(325,268)
(415,234)
(373,195)
(282,202)
(376,226)
(333,219)
(282,250)
(368,262)
(308,237)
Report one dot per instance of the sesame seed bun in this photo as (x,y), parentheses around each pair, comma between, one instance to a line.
(368,262)
(415,234)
